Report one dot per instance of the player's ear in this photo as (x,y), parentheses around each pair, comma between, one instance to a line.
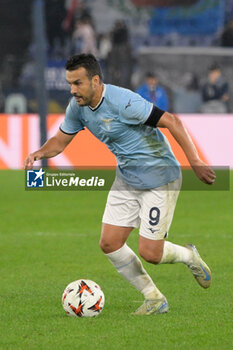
(95,80)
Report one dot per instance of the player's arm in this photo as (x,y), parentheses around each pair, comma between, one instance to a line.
(162,119)
(179,132)
(51,148)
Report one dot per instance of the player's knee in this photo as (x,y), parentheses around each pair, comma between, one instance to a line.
(106,246)
(153,257)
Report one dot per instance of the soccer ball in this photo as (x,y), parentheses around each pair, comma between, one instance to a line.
(83,298)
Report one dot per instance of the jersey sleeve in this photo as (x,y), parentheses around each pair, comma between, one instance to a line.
(134,109)
(72,123)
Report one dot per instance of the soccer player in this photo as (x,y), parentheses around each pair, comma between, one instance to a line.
(148,176)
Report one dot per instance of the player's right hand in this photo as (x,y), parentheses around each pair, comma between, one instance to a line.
(31,158)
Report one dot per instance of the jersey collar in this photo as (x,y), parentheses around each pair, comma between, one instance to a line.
(100,101)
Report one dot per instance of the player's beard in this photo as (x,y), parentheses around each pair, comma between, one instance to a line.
(86,100)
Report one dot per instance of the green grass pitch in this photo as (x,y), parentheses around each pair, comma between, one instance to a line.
(48,239)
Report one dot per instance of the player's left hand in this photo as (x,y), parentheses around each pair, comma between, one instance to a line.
(204,172)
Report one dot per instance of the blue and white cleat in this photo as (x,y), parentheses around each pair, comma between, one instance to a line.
(152,306)
(199,268)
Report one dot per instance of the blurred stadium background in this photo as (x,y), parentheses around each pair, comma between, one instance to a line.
(176,40)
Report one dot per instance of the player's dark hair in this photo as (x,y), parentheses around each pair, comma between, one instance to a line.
(87,61)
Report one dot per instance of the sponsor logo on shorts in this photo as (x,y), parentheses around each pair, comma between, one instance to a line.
(152,230)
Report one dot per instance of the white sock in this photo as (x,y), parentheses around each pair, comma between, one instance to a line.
(173,253)
(130,267)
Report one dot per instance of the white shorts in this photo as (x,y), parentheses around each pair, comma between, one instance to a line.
(151,209)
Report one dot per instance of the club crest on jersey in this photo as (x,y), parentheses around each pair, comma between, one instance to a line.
(107,122)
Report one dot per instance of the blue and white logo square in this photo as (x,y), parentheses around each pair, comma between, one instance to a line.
(35,178)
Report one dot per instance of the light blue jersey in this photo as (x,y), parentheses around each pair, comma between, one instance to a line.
(144,156)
